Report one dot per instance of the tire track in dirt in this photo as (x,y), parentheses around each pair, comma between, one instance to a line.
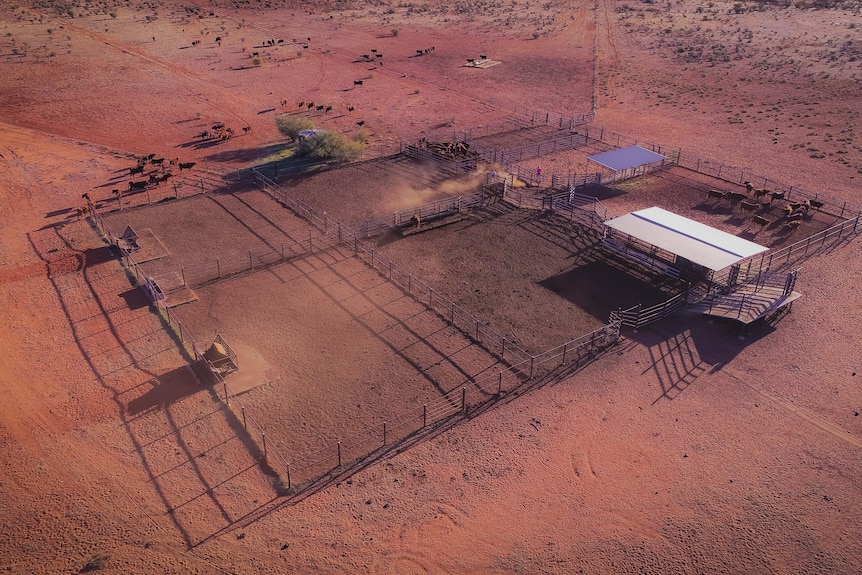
(581,466)
(605,58)
(439,520)
(803,413)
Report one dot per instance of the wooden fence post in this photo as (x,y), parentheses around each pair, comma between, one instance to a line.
(264,446)
(288,475)
(464,399)
(499,384)
(218,268)
(339,454)
(424,415)
(503,351)
(384,433)
(226,398)
(244,425)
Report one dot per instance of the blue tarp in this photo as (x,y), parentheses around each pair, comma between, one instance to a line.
(625,158)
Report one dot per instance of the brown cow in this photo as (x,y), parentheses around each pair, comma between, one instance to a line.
(761,221)
(749,206)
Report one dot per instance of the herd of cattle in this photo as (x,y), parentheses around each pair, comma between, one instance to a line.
(220,132)
(311,106)
(761,199)
(161,171)
(453,149)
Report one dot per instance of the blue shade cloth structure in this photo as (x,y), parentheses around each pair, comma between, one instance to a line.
(694,241)
(625,158)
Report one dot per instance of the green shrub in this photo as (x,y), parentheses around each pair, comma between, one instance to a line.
(329,146)
(291,126)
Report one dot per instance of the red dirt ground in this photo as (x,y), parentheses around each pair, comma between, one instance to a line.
(686,451)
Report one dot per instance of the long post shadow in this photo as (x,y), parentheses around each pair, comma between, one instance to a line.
(87,260)
(413,439)
(377,307)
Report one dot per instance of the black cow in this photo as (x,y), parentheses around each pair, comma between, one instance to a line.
(357,82)
(139,169)
(187,165)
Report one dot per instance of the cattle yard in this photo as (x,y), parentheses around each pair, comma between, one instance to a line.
(290,298)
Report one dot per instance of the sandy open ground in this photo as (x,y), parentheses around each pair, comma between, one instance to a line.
(684,450)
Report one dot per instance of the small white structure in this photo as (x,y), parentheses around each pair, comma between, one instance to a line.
(303,134)
(682,237)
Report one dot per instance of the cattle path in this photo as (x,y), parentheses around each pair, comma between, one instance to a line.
(172,68)
(808,416)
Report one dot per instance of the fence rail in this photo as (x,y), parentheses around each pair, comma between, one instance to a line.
(224,267)
(474,328)
(375,440)
(639,316)
(734,175)
(521,365)
(520,368)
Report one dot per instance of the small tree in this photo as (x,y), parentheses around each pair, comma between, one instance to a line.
(394,32)
(329,146)
(291,126)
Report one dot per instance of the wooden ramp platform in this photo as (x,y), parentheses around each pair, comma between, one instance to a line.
(747,305)
(150,247)
(175,290)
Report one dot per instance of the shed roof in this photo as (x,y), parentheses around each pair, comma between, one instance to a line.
(625,158)
(694,241)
